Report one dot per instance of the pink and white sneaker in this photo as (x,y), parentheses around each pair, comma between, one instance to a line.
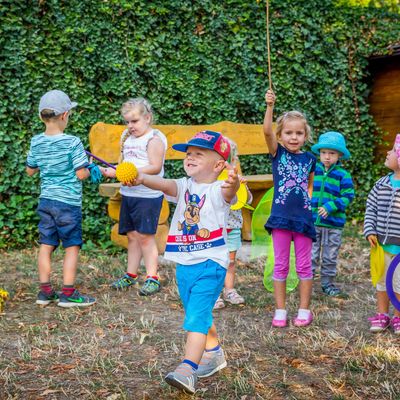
(379,322)
(279,323)
(396,325)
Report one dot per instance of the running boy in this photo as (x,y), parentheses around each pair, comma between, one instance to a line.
(332,193)
(62,163)
(197,243)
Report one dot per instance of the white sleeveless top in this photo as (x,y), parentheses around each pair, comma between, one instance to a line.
(135,150)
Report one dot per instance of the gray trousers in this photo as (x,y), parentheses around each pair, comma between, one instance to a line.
(325,252)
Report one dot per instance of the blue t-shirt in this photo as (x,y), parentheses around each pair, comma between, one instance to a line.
(291,206)
(58,157)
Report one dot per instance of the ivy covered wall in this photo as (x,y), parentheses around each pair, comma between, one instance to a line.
(197,62)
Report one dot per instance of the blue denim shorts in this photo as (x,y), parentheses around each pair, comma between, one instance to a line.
(139,214)
(234,239)
(59,222)
(199,286)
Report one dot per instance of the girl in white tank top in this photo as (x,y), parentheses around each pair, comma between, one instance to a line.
(141,206)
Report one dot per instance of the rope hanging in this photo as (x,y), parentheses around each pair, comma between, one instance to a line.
(268,49)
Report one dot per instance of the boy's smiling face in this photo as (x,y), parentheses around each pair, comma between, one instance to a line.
(203,165)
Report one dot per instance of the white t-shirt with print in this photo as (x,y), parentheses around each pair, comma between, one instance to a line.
(198,227)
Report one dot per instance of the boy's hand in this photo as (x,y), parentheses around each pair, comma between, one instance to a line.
(232,182)
(270,98)
(373,240)
(322,212)
(138,181)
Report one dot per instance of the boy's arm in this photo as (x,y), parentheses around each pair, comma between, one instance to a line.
(345,198)
(167,186)
(232,183)
(269,135)
(155,152)
(370,217)
(31,171)
(82,173)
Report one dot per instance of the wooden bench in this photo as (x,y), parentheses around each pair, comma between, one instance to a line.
(104,142)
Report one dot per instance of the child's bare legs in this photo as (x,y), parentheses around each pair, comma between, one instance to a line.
(230,273)
(305,289)
(134,252)
(44,262)
(382,302)
(197,342)
(149,251)
(70,265)
(145,245)
(280,294)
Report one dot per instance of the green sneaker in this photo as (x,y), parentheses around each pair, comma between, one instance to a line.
(150,287)
(75,300)
(45,299)
(124,282)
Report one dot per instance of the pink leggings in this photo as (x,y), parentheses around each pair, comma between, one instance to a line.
(281,239)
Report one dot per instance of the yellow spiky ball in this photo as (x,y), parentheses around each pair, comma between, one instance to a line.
(3,297)
(126,172)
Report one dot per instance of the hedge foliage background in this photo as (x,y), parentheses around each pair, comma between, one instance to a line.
(197,62)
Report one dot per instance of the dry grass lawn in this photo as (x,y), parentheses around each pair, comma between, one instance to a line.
(123,346)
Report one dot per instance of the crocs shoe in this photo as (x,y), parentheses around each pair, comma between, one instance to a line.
(75,300)
(124,282)
(45,299)
(233,297)
(331,290)
(219,304)
(211,362)
(303,322)
(279,323)
(396,325)
(150,286)
(183,378)
(379,322)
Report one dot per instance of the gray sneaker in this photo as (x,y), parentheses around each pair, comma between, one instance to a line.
(183,378)
(211,362)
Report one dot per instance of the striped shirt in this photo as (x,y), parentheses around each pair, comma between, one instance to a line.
(58,157)
(382,214)
(334,191)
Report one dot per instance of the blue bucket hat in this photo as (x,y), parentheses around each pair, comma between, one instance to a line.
(334,141)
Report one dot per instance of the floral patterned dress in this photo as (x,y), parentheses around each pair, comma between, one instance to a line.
(291,207)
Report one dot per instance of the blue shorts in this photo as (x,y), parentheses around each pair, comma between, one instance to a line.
(234,240)
(139,214)
(59,222)
(199,286)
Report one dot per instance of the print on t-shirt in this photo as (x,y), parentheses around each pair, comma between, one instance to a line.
(191,215)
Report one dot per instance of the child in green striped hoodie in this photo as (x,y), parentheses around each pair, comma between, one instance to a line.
(332,193)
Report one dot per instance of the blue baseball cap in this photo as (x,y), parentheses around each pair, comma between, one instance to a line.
(334,141)
(207,140)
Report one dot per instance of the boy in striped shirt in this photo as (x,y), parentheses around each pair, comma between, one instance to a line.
(382,228)
(62,163)
(332,193)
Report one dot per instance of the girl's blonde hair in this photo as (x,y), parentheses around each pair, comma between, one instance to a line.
(139,102)
(291,115)
(144,107)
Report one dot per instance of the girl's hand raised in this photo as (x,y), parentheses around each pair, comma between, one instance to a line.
(270,98)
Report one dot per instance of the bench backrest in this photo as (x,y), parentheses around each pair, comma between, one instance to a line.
(104,138)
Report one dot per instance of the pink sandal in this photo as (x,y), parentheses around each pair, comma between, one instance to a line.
(279,323)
